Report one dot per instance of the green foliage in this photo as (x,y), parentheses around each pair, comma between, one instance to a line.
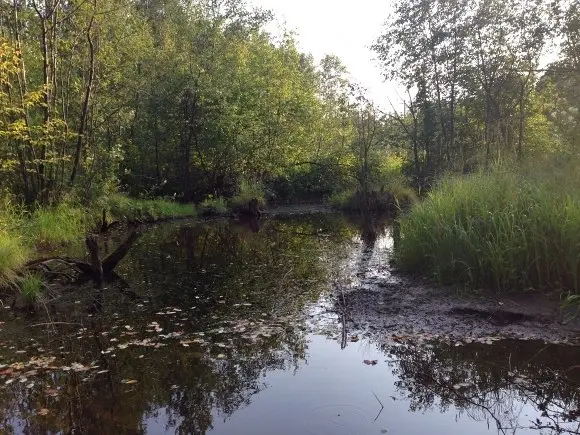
(511,229)
(312,181)
(341,200)
(247,191)
(213,206)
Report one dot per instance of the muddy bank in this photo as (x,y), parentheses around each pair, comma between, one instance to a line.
(399,307)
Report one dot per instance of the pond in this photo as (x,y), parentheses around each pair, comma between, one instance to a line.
(233,328)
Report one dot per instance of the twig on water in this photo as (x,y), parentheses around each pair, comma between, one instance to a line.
(55,323)
(382,406)
(343,341)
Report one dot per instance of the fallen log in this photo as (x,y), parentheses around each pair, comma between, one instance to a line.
(96,264)
(113,259)
(97,270)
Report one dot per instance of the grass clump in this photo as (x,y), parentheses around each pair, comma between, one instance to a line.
(64,223)
(506,230)
(13,255)
(247,191)
(123,207)
(213,206)
(30,286)
(14,250)
(389,198)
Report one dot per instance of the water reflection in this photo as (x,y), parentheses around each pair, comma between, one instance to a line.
(514,386)
(218,338)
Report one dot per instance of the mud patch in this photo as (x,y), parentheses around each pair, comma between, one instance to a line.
(382,310)
(498,317)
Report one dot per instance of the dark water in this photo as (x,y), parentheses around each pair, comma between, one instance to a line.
(225,330)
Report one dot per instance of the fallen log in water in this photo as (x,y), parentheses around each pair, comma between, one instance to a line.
(97,270)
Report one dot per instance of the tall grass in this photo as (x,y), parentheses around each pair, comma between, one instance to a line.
(506,230)
(62,224)
(14,249)
(13,254)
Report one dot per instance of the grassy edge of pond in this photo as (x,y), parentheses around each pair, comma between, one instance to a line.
(23,232)
(506,229)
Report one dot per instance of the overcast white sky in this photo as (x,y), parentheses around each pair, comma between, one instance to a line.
(346,28)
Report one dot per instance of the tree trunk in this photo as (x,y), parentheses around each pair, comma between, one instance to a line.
(87,99)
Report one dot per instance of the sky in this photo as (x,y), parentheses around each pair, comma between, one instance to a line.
(345,28)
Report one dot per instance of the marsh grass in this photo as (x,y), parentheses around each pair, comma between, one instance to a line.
(509,230)
(14,246)
(13,255)
(64,223)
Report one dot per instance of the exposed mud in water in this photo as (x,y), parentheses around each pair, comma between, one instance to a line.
(236,328)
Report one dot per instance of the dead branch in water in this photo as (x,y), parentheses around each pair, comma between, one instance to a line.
(98,270)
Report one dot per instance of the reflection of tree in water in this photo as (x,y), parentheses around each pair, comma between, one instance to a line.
(189,383)
(494,383)
(371,229)
(277,270)
(278,267)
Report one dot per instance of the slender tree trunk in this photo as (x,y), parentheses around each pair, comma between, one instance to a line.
(87,99)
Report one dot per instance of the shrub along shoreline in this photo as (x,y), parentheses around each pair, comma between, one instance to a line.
(507,230)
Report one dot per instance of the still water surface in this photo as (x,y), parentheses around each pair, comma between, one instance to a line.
(228,328)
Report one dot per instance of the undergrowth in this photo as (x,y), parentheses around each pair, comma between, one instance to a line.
(506,230)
